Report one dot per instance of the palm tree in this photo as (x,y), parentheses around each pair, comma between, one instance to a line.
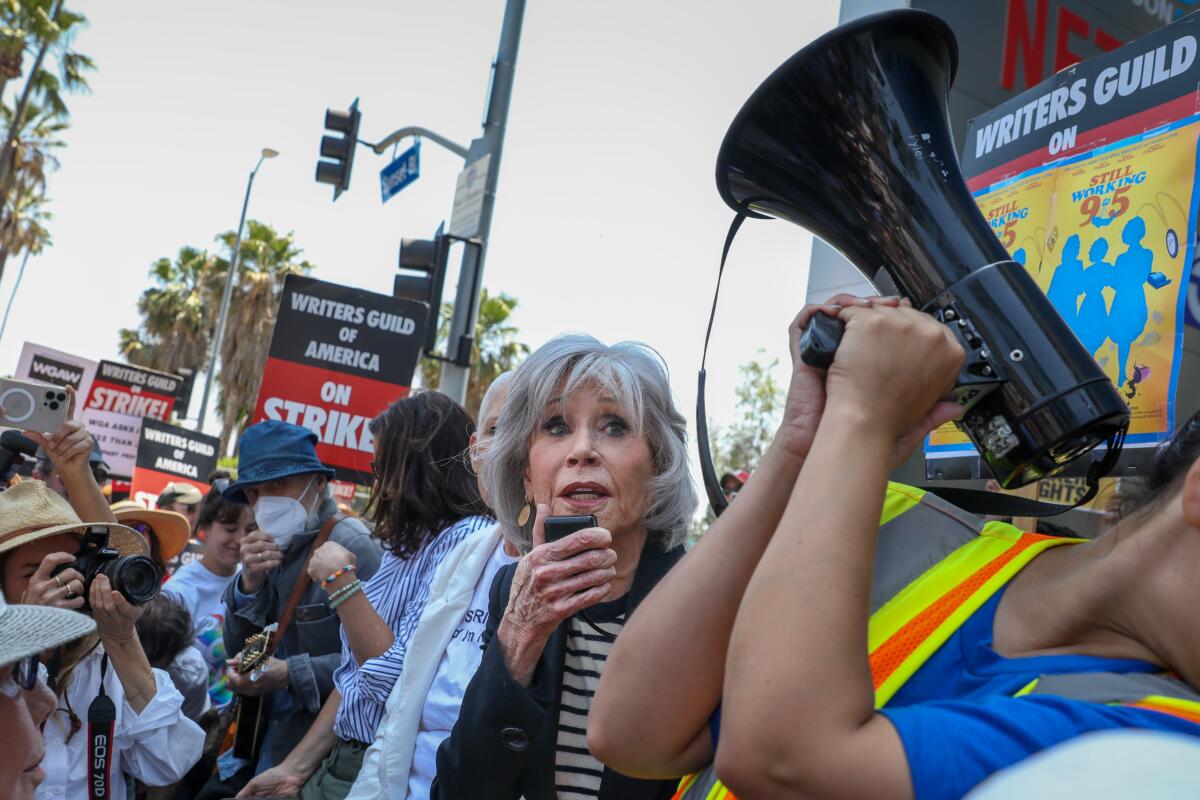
(496,349)
(45,29)
(23,217)
(266,259)
(177,323)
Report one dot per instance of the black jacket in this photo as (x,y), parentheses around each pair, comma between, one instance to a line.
(503,744)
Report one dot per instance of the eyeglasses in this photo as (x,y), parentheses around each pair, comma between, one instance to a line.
(221,484)
(142,528)
(25,674)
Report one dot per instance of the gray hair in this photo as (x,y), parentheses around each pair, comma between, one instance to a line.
(489,397)
(636,377)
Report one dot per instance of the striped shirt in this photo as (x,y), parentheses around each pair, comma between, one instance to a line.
(398,591)
(577,772)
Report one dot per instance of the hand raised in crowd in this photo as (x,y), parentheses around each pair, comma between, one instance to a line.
(70,447)
(553,581)
(256,682)
(64,590)
(278,781)
(260,555)
(116,618)
(328,559)
(893,368)
(806,391)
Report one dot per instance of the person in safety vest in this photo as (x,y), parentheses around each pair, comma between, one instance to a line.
(837,636)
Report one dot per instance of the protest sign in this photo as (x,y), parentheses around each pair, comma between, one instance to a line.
(338,357)
(167,454)
(1089,180)
(40,363)
(119,397)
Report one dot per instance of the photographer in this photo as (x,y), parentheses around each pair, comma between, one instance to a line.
(152,739)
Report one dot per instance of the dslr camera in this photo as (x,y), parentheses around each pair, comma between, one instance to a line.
(137,578)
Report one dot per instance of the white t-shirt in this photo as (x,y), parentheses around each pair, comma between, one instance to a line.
(199,590)
(457,667)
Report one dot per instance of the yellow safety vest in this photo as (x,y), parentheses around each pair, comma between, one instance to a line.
(935,566)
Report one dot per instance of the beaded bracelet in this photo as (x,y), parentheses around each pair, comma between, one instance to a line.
(344,592)
(339,573)
(351,590)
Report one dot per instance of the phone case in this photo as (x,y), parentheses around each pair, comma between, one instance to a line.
(32,406)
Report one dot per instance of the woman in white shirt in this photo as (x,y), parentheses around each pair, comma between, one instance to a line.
(152,740)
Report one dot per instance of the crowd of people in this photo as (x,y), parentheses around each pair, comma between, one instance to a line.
(832,635)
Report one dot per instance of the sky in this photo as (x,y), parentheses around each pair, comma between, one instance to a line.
(607,219)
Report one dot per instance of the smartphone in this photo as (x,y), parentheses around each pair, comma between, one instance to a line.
(32,406)
(558,527)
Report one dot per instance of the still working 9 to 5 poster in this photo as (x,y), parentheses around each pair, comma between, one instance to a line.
(1099,205)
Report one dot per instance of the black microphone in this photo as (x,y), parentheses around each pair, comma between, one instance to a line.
(13,445)
(17,442)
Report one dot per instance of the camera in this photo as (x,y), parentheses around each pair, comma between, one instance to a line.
(137,578)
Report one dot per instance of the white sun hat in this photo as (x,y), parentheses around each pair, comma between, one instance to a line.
(26,630)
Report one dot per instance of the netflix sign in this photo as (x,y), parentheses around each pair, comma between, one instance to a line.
(338,357)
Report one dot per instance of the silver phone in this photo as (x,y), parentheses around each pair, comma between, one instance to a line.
(32,406)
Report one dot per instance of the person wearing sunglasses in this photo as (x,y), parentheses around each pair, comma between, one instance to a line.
(25,701)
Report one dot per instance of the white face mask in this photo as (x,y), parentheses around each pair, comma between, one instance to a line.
(282,518)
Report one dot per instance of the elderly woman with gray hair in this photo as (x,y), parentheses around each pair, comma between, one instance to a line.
(588,430)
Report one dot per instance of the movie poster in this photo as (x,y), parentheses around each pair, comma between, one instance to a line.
(1089,180)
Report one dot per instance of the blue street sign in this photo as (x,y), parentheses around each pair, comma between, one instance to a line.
(401,172)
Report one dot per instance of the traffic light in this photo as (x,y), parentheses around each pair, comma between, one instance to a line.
(422,277)
(339,148)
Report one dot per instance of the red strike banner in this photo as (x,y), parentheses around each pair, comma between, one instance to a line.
(339,356)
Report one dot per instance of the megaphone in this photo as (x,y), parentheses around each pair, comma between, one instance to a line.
(850,138)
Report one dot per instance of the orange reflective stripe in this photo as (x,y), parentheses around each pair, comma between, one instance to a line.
(892,653)
(1182,709)
(684,785)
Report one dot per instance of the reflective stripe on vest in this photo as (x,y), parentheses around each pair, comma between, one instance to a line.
(907,628)
(1184,709)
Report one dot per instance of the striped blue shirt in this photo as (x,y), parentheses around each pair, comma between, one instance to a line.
(399,592)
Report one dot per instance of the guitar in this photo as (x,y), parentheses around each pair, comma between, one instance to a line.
(252,713)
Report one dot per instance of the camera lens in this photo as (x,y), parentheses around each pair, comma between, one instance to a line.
(135,577)
(62,396)
(49,395)
(54,405)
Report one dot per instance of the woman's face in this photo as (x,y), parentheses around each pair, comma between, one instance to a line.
(23,561)
(585,459)
(223,540)
(21,714)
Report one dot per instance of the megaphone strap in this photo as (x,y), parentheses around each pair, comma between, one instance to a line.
(712,486)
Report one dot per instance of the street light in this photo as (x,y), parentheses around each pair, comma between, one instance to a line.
(267,152)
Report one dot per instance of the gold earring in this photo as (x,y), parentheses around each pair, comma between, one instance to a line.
(526,517)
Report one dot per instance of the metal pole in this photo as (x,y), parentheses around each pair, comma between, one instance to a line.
(229,278)
(13,296)
(455,373)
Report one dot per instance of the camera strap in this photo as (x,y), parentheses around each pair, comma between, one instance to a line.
(101,722)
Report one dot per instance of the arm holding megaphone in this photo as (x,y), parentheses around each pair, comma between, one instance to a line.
(650,717)
(802,621)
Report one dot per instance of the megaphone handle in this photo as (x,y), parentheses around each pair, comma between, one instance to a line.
(820,339)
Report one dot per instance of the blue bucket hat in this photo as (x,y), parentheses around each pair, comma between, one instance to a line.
(274,449)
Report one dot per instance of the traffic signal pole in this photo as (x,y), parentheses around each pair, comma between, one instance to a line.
(456,370)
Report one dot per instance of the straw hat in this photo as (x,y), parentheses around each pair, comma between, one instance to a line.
(171,528)
(31,510)
(25,630)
